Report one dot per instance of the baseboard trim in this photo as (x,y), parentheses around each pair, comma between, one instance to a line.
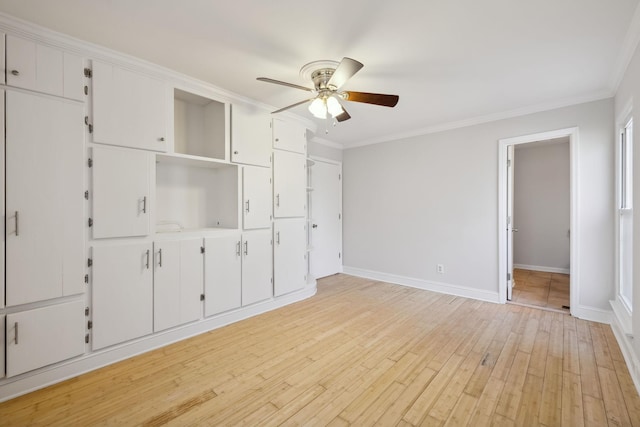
(443,288)
(625,342)
(44,377)
(592,314)
(542,268)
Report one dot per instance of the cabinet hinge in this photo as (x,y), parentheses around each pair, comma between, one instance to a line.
(86,90)
(88,73)
(201,297)
(90,162)
(86,279)
(271,280)
(89,262)
(339,255)
(89,324)
(201,249)
(86,195)
(339,216)
(86,122)
(339,177)
(86,339)
(508,276)
(90,222)
(86,311)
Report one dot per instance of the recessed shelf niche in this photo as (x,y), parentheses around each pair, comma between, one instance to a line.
(200,126)
(195,194)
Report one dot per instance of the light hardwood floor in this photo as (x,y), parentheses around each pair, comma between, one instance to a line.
(542,289)
(361,353)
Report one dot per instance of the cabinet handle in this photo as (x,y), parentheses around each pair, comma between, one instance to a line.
(278,237)
(16,328)
(278,200)
(246,247)
(235,152)
(247,208)
(161,139)
(15,72)
(160,257)
(147,264)
(17,222)
(144,204)
(238,248)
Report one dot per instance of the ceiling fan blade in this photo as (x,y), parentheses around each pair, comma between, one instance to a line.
(345,70)
(343,116)
(278,82)
(292,105)
(372,98)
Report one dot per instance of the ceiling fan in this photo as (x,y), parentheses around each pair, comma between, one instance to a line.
(328,77)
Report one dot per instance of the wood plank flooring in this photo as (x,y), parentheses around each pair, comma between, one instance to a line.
(361,353)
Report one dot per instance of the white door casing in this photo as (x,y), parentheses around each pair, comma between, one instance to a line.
(510,229)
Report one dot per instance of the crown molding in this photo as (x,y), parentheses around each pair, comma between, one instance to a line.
(596,96)
(327,143)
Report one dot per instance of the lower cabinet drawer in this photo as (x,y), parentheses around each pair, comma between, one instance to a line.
(42,336)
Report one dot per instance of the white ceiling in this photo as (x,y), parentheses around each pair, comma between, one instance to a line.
(451,62)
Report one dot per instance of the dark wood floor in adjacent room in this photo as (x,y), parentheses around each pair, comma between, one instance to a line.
(361,352)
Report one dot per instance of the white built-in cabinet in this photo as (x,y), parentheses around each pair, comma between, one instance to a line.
(43,336)
(223,273)
(122,296)
(121,192)
(44,69)
(289,136)
(289,184)
(135,204)
(256,197)
(129,108)
(250,135)
(289,255)
(177,282)
(44,198)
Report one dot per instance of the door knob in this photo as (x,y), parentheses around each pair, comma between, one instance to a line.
(314,226)
(515,230)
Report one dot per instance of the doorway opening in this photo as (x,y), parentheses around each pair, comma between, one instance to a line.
(537,220)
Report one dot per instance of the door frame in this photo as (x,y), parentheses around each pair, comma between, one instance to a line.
(574,237)
(339,164)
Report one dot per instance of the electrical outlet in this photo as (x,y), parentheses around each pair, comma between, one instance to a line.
(440,268)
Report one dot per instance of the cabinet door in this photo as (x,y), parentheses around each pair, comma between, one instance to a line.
(289,255)
(222,273)
(177,283)
(289,184)
(250,136)
(129,109)
(256,190)
(33,66)
(289,136)
(2,346)
(122,293)
(121,202)
(43,336)
(44,203)
(256,266)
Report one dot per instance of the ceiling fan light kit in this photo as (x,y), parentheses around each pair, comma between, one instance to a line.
(328,77)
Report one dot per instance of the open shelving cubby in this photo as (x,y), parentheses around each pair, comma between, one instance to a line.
(200,126)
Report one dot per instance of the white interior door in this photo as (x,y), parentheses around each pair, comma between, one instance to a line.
(510,229)
(326,219)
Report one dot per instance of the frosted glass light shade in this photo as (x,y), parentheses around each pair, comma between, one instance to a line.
(318,108)
(334,107)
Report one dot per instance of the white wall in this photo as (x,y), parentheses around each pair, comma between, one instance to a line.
(317,149)
(542,205)
(415,203)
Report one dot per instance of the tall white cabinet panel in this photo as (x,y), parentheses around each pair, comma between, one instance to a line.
(122,294)
(289,136)
(289,184)
(289,255)
(177,283)
(43,336)
(256,266)
(222,276)
(129,109)
(2,209)
(256,191)
(44,202)
(2,345)
(121,203)
(250,135)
